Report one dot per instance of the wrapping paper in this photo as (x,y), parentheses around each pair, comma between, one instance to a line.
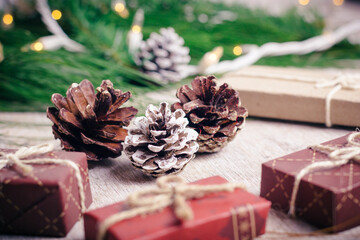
(274,97)
(326,198)
(223,215)
(47,201)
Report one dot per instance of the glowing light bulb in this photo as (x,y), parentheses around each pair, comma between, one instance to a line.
(56,14)
(136,29)
(119,7)
(37,46)
(237,50)
(338,2)
(7,19)
(304,2)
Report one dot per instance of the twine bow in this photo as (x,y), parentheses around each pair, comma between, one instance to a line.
(165,195)
(341,81)
(18,162)
(339,157)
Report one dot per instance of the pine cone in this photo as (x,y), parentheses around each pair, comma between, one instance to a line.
(91,123)
(214,112)
(163,55)
(160,143)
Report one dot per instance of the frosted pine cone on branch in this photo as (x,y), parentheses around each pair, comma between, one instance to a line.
(163,56)
(214,112)
(160,143)
(91,123)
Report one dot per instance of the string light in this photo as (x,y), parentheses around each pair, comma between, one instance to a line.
(120,8)
(8,19)
(56,14)
(338,2)
(210,58)
(135,36)
(136,28)
(37,46)
(304,2)
(237,50)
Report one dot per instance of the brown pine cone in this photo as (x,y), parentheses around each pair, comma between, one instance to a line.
(91,123)
(214,112)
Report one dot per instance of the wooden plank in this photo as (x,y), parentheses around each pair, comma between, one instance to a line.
(260,140)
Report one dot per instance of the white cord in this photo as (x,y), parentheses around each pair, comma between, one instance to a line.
(318,43)
(59,38)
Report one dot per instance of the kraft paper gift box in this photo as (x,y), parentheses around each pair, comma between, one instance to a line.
(293,94)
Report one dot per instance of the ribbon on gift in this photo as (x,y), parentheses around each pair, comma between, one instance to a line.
(340,81)
(339,156)
(171,191)
(23,166)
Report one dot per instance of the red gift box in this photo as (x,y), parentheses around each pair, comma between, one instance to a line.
(222,215)
(47,200)
(327,198)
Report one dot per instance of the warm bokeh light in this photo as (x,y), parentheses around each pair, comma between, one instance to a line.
(136,29)
(338,2)
(237,50)
(304,2)
(7,19)
(56,14)
(119,7)
(124,13)
(37,46)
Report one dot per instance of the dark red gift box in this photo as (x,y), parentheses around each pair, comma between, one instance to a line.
(326,198)
(223,215)
(45,202)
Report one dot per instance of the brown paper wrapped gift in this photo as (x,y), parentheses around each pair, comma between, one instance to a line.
(47,199)
(298,94)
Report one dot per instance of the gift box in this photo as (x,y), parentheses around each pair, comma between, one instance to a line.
(46,201)
(221,215)
(298,94)
(327,197)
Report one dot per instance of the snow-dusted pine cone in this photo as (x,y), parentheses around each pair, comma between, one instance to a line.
(163,56)
(160,143)
(89,122)
(214,112)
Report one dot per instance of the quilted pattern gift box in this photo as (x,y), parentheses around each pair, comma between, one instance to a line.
(42,194)
(320,184)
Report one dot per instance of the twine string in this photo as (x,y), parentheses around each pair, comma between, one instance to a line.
(339,156)
(23,166)
(340,81)
(170,191)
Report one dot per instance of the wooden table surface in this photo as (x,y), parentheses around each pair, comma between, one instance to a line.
(260,140)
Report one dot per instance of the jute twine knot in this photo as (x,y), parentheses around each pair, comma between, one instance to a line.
(23,166)
(339,156)
(341,81)
(171,191)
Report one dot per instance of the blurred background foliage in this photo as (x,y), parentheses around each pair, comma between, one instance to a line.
(28,78)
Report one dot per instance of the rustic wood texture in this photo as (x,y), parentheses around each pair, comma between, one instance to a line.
(260,140)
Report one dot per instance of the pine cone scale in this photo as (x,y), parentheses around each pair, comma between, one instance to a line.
(120,101)
(59,101)
(88,91)
(69,118)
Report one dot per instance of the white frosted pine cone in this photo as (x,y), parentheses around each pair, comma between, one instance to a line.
(163,56)
(160,143)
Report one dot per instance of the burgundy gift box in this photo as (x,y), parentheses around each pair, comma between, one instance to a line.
(223,215)
(326,198)
(45,202)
